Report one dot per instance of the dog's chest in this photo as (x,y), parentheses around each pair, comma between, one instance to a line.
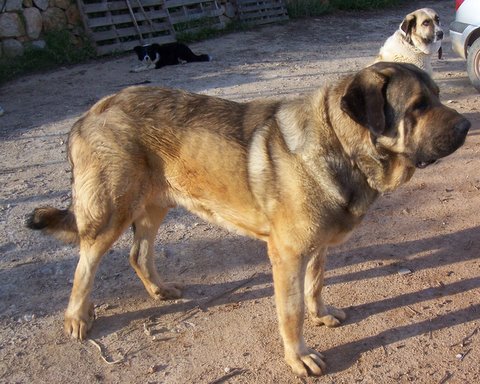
(338,200)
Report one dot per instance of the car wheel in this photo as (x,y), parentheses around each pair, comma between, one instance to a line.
(473,64)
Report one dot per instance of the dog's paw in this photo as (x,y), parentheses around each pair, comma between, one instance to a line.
(139,68)
(330,317)
(308,362)
(167,291)
(77,326)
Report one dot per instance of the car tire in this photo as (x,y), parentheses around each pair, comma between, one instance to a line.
(473,64)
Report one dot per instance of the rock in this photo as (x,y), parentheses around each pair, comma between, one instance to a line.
(28,317)
(73,15)
(13,5)
(404,271)
(54,19)
(12,48)
(11,25)
(38,44)
(27,3)
(33,21)
(62,4)
(41,4)
(230,10)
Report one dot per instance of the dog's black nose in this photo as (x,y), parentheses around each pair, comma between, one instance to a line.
(463,126)
(440,35)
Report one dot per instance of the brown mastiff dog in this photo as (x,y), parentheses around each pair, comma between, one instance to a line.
(297,174)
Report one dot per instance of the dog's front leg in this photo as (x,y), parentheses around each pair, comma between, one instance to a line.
(319,312)
(288,277)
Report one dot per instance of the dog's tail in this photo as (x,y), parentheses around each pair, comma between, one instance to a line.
(204,58)
(192,57)
(60,223)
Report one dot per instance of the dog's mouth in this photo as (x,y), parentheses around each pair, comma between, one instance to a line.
(424,164)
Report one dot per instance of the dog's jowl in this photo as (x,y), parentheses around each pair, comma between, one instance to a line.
(298,174)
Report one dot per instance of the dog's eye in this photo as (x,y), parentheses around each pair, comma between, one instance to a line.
(426,23)
(421,105)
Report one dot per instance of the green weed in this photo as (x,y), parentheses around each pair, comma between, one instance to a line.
(60,49)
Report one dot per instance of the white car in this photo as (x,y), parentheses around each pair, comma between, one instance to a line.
(465,36)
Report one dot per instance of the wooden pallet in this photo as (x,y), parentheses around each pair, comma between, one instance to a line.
(262,11)
(191,15)
(119,25)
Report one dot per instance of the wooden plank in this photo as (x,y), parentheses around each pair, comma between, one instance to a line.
(265,12)
(254,8)
(268,12)
(122,19)
(128,31)
(219,25)
(266,20)
(261,4)
(197,16)
(243,2)
(262,12)
(180,3)
(129,45)
(118,5)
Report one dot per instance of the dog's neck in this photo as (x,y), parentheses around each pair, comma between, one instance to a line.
(409,43)
(384,173)
(383,170)
(148,60)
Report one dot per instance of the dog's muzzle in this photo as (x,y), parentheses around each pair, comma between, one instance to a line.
(460,134)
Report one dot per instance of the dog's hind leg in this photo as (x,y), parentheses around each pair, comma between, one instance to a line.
(79,315)
(142,260)
(319,312)
(187,55)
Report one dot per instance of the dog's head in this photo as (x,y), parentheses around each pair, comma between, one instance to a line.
(147,54)
(399,104)
(422,29)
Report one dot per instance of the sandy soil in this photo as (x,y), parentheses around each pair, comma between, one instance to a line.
(418,327)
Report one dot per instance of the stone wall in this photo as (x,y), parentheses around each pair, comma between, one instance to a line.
(23,23)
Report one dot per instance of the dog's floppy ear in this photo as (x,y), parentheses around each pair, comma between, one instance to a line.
(407,25)
(364,100)
(138,50)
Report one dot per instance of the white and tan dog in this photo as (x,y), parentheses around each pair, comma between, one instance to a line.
(417,39)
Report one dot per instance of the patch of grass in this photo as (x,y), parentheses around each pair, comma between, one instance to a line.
(191,33)
(308,8)
(362,4)
(59,50)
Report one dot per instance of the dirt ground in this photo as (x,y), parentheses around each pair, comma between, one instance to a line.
(408,277)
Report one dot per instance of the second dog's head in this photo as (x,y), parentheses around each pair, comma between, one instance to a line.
(147,53)
(422,30)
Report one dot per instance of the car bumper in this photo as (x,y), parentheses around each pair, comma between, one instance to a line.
(459,33)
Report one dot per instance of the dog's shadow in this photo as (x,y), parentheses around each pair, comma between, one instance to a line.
(341,356)
(223,293)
